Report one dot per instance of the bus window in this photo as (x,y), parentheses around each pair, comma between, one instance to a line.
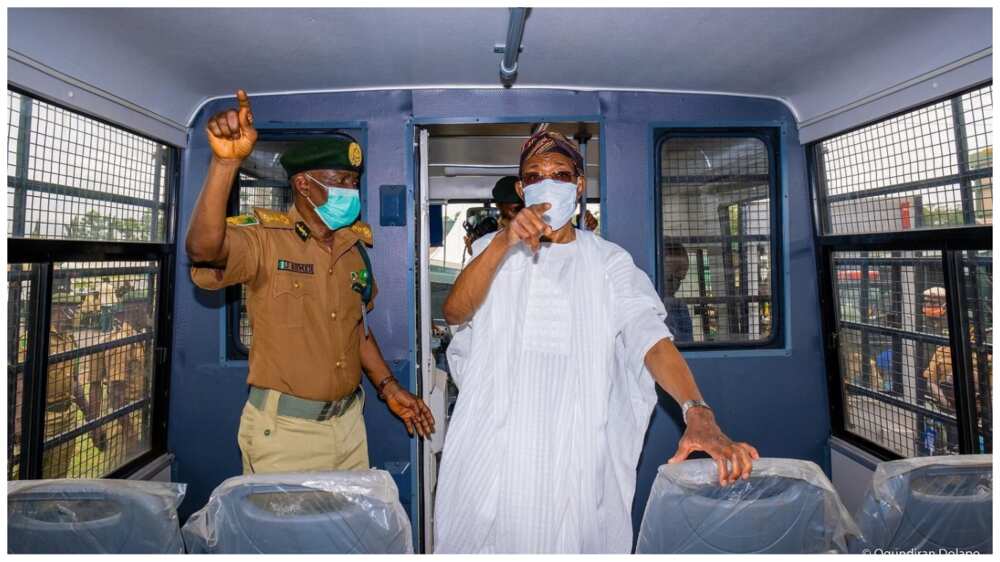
(717,275)
(907,386)
(106,194)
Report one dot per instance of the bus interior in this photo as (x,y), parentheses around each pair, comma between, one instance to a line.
(809,191)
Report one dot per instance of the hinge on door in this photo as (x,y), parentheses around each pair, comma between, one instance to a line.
(834,340)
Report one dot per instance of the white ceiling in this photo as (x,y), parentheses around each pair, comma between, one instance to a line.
(816,60)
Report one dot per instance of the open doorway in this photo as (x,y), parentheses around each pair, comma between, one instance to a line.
(459,165)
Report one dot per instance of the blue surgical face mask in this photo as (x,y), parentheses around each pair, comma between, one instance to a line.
(560,195)
(342,207)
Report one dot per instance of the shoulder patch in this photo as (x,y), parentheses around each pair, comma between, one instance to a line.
(242,220)
(272,219)
(364,231)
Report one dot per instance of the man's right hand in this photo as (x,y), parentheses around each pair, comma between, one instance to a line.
(528,227)
(230,133)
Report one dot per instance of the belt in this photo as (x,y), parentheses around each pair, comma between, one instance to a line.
(295,407)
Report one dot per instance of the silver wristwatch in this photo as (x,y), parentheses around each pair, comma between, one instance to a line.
(692,404)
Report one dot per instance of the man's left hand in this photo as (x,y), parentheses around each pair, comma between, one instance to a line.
(412,410)
(703,434)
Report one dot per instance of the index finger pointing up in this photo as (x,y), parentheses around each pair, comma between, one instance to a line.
(241,96)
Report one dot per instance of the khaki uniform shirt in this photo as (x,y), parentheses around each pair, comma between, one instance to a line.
(59,384)
(939,370)
(305,316)
(125,364)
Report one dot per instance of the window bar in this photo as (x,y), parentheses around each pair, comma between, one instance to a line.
(918,211)
(702,291)
(829,305)
(919,352)
(741,231)
(36,368)
(727,266)
(896,368)
(961,366)
(154,221)
(21,186)
(161,350)
(14,303)
(985,390)
(821,212)
(864,287)
(962,154)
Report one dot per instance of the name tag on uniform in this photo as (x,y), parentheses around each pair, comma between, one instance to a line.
(285,265)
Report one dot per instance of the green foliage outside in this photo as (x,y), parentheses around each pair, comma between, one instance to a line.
(94,226)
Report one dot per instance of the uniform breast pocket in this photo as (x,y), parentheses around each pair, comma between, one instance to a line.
(291,295)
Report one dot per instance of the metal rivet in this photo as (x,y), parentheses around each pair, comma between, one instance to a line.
(295,284)
(333,315)
(267,432)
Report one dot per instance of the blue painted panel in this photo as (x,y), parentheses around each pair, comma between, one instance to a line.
(392,205)
(773,399)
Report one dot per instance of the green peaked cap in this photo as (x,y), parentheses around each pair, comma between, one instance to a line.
(323,154)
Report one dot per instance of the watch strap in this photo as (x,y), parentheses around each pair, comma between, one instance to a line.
(692,404)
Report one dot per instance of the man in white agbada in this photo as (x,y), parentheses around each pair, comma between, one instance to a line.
(560,340)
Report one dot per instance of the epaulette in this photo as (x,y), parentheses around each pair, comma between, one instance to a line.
(364,231)
(272,219)
(242,220)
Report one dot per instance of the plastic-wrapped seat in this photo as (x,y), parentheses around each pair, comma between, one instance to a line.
(343,512)
(787,506)
(930,504)
(71,516)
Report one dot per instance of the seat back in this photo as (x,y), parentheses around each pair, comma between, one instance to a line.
(787,506)
(348,512)
(930,504)
(68,516)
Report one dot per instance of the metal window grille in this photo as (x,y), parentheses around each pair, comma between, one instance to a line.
(103,329)
(268,194)
(977,285)
(928,168)
(717,247)
(910,314)
(73,177)
(84,406)
(892,346)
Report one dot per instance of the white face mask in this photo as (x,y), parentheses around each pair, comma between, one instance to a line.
(560,195)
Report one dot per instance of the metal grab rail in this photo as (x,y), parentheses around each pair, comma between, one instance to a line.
(512,48)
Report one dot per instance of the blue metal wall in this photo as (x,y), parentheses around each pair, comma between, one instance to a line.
(775,399)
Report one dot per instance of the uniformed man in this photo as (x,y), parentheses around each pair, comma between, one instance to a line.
(62,390)
(939,373)
(309,289)
(124,371)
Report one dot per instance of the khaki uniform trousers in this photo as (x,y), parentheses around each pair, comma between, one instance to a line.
(272,443)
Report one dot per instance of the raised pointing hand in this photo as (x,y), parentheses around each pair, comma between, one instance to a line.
(528,226)
(231,133)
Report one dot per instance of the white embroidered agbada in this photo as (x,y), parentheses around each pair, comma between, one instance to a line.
(554,402)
